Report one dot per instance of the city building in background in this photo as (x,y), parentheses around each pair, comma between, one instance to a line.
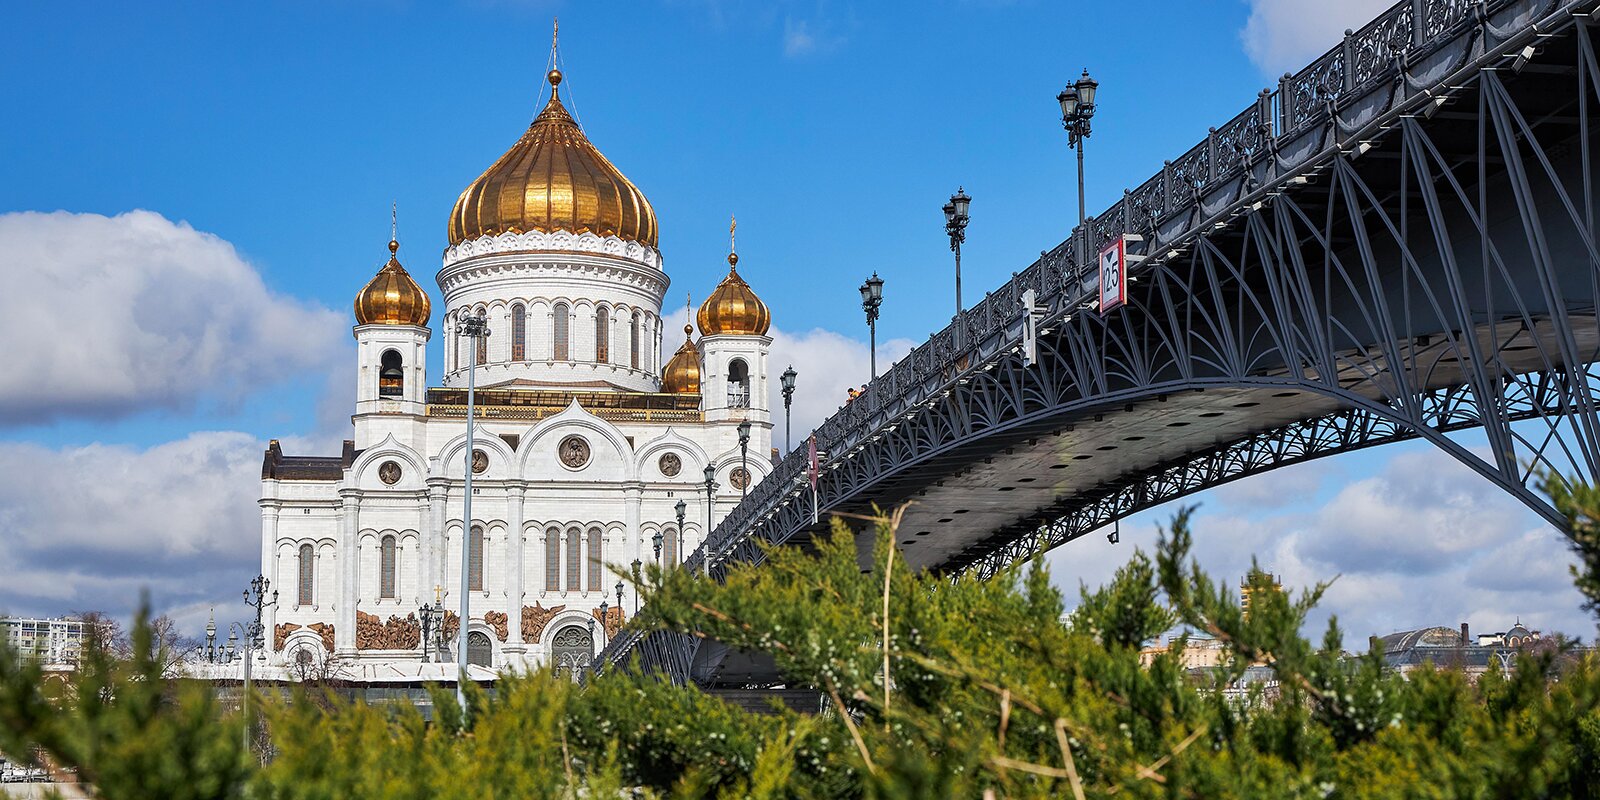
(55,642)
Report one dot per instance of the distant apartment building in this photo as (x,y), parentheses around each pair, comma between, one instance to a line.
(54,642)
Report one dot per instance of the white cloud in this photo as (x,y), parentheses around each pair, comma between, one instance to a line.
(90,527)
(1422,541)
(797,38)
(1285,35)
(108,316)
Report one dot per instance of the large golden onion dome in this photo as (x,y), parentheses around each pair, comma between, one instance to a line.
(681,375)
(392,297)
(553,179)
(733,307)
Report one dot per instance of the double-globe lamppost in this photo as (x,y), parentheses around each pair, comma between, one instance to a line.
(744,458)
(682,509)
(787,379)
(1077,108)
(955,225)
(475,328)
(256,597)
(871,300)
(711,488)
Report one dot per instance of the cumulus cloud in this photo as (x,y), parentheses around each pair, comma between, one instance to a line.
(1284,35)
(90,527)
(109,316)
(1422,541)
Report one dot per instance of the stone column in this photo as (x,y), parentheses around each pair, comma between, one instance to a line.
(433,536)
(269,566)
(515,593)
(344,631)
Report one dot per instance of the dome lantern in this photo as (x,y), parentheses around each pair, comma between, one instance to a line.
(392,297)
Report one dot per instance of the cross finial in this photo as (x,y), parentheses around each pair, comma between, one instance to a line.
(555,32)
(733,225)
(438,593)
(394,221)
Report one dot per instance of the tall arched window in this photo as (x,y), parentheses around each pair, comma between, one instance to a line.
(475,560)
(574,561)
(669,547)
(602,334)
(738,384)
(595,547)
(461,343)
(519,333)
(483,343)
(558,333)
(480,650)
(633,341)
(308,574)
(552,560)
(391,375)
(387,567)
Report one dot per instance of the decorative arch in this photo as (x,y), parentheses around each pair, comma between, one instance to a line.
(694,456)
(610,449)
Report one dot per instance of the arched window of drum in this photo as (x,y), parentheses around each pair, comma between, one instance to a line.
(574,561)
(552,560)
(558,333)
(519,333)
(480,650)
(595,548)
(633,341)
(391,375)
(602,334)
(387,567)
(308,573)
(461,344)
(483,344)
(475,560)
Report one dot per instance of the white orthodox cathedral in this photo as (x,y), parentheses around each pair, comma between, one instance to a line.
(585,444)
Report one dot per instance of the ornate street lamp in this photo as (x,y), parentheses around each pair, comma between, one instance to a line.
(656,540)
(787,378)
(1077,108)
(256,597)
(619,595)
(475,328)
(744,457)
(682,508)
(433,627)
(955,226)
(871,299)
(711,488)
(636,565)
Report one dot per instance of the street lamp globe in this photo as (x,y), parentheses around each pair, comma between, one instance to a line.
(787,378)
(711,476)
(961,203)
(1069,103)
(1086,87)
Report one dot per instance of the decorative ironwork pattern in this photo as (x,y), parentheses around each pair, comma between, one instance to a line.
(1371,306)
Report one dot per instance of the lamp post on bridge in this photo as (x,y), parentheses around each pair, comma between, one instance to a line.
(705,542)
(744,458)
(787,378)
(475,328)
(683,509)
(955,226)
(256,597)
(1077,108)
(871,299)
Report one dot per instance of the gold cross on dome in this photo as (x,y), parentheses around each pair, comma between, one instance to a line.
(438,593)
(733,225)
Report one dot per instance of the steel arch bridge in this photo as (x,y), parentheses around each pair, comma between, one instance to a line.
(1398,243)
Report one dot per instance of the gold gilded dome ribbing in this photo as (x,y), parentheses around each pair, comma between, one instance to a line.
(681,375)
(392,297)
(553,179)
(733,307)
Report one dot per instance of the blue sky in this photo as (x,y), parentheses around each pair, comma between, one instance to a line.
(834,131)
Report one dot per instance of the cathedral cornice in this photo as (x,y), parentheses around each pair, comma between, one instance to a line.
(557,241)
(483,271)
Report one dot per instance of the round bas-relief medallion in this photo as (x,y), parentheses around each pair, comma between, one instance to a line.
(574,452)
(389,473)
(480,462)
(739,477)
(671,465)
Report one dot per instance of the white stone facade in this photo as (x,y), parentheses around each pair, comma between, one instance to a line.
(584,461)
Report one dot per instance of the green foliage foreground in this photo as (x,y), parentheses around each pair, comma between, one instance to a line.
(988,691)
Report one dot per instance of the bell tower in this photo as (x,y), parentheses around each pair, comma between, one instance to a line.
(391,353)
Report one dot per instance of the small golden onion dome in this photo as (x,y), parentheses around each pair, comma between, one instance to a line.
(392,297)
(553,179)
(681,375)
(734,308)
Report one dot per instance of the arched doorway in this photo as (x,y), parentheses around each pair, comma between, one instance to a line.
(480,650)
(572,649)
